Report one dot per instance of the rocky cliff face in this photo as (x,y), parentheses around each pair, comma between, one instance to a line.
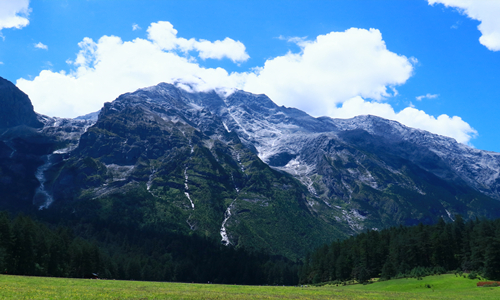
(192,174)
(27,144)
(238,168)
(367,172)
(16,108)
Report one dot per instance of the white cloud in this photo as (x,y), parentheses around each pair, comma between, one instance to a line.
(105,69)
(135,27)
(330,70)
(234,50)
(14,13)
(342,68)
(327,77)
(41,46)
(445,125)
(485,11)
(300,41)
(426,96)
(164,35)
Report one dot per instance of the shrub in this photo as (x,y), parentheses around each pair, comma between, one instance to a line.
(472,275)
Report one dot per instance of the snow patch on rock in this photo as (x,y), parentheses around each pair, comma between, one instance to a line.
(119,173)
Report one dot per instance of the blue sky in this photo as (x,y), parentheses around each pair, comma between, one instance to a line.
(425,64)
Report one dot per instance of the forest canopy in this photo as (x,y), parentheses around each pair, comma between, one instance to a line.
(472,246)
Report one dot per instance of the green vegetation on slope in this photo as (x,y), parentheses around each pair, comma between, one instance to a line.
(409,252)
(137,171)
(28,247)
(382,183)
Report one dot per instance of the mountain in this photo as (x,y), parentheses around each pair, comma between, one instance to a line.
(368,171)
(179,168)
(27,140)
(235,167)
(16,109)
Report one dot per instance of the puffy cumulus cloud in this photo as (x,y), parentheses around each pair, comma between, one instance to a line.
(234,50)
(14,13)
(109,67)
(165,36)
(40,45)
(485,11)
(332,74)
(105,69)
(445,125)
(330,70)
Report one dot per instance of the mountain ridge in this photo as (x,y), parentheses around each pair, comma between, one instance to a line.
(17,109)
(236,167)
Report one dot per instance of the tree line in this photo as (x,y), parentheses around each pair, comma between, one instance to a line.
(397,252)
(30,247)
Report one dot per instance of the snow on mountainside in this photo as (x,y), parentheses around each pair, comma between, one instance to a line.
(29,146)
(165,145)
(65,132)
(480,169)
(279,134)
(182,146)
(359,171)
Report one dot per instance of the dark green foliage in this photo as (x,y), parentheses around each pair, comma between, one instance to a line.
(28,247)
(31,248)
(417,251)
(492,257)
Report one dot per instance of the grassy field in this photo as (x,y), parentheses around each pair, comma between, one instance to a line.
(442,287)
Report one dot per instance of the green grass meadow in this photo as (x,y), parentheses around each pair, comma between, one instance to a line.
(442,287)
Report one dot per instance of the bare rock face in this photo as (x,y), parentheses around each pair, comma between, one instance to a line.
(29,144)
(235,166)
(15,107)
(360,173)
